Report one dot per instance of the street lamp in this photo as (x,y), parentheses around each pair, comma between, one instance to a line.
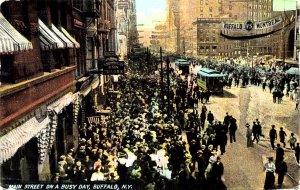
(168,83)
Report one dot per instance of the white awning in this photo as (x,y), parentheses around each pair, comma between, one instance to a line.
(68,43)
(63,102)
(95,83)
(77,45)
(16,138)
(50,37)
(10,39)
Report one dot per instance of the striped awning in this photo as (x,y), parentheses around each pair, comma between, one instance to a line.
(11,142)
(68,43)
(10,39)
(77,45)
(50,37)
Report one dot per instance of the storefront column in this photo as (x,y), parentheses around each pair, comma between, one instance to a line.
(44,170)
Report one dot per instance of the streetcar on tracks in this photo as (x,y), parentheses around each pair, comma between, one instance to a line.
(183,65)
(209,79)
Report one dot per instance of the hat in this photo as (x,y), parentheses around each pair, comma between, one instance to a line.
(247,125)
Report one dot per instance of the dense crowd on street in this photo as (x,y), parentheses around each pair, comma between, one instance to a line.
(165,142)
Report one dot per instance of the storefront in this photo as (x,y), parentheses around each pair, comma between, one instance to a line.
(29,152)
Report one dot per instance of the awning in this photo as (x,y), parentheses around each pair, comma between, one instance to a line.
(6,42)
(10,39)
(77,45)
(11,142)
(68,43)
(63,102)
(50,37)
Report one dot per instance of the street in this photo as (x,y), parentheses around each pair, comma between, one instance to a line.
(244,166)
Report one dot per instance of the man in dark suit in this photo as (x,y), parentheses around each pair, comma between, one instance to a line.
(273,136)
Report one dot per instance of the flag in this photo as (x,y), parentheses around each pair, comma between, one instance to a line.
(284,5)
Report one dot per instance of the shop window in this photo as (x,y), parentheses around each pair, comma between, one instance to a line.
(6,69)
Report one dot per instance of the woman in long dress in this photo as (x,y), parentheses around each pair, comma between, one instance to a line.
(270,178)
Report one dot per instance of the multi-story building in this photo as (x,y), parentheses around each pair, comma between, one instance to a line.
(37,91)
(125,11)
(297,33)
(46,51)
(213,40)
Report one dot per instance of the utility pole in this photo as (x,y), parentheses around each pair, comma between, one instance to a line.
(161,79)
(168,83)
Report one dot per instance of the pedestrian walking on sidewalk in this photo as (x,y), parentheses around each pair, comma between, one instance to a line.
(273,136)
(270,178)
(279,155)
(232,129)
(210,117)
(292,141)
(249,136)
(281,170)
(282,136)
(255,132)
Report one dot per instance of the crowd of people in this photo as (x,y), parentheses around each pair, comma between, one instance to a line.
(141,142)
(158,142)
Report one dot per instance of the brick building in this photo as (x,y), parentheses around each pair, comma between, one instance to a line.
(46,51)
(211,14)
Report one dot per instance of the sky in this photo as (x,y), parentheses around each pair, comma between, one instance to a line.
(281,5)
(149,11)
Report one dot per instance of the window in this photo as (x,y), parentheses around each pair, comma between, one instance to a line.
(230,15)
(230,7)
(220,1)
(201,15)
(220,9)
(6,69)
(201,2)
(207,39)
(201,9)
(210,15)
(210,9)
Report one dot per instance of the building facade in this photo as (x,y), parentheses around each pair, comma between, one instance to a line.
(46,52)
(125,12)
(206,28)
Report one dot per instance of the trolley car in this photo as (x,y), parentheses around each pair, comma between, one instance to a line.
(209,79)
(183,65)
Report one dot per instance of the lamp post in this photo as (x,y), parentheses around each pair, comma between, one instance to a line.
(161,79)
(168,83)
